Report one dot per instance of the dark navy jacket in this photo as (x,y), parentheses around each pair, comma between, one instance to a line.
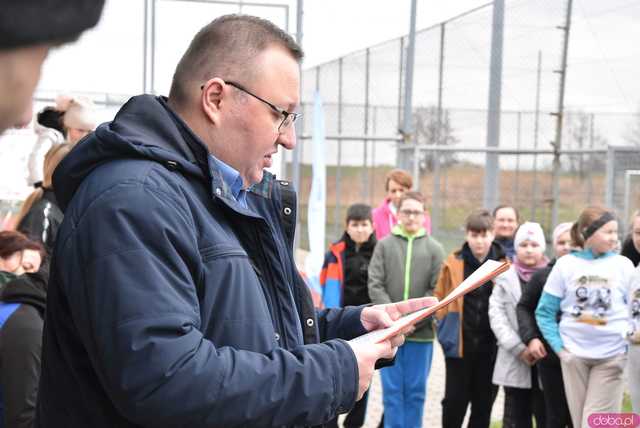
(171,305)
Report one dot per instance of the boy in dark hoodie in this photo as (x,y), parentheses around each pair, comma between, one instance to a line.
(344,279)
(463,328)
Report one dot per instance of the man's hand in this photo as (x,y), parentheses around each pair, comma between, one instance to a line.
(367,354)
(537,349)
(382,316)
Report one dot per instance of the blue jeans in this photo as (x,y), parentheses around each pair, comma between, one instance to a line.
(404,385)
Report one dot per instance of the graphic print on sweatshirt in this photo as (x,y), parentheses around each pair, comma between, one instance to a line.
(634,331)
(593,299)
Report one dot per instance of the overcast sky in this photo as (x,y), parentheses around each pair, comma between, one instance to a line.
(604,55)
(109,58)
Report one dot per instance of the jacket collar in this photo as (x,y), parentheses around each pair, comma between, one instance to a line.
(399,231)
(587,254)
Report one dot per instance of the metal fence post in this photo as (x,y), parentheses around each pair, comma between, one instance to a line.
(609,196)
(372,169)
(435,200)
(337,216)
(299,130)
(491,173)
(365,171)
(536,134)
(559,121)
(590,159)
(407,125)
(516,192)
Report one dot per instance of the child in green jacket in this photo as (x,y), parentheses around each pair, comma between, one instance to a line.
(404,265)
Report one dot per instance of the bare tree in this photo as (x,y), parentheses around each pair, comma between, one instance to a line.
(583,135)
(431,131)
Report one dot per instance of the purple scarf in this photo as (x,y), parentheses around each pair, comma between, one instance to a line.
(526,272)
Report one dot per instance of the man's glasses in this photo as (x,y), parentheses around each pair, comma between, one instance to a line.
(288,118)
(410,213)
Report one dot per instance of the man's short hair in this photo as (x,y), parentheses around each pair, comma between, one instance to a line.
(225,48)
(400,176)
(413,195)
(515,210)
(359,212)
(25,23)
(479,221)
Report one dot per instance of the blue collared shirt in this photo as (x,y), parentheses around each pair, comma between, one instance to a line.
(233,179)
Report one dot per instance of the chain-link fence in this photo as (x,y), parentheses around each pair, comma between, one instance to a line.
(363,96)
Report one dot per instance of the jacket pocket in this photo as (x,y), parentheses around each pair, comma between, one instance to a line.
(448,334)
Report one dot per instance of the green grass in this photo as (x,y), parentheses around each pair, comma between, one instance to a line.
(626,408)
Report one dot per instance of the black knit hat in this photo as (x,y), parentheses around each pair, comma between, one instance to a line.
(31,22)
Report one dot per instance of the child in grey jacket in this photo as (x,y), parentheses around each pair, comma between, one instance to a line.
(406,264)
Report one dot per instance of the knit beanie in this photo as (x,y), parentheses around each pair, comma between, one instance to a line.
(530,231)
(25,23)
(560,229)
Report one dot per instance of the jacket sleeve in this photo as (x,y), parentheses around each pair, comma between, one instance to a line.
(442,285)
(343,323)
(329,284)
(21,340)
(33,223)
(133,292)
(377,277)
(507,337)
(525,311)
(546,311)
(437,257)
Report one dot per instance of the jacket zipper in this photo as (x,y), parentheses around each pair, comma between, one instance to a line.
(407,268)
(273,291)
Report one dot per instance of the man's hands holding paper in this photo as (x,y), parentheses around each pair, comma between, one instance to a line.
(378,317)
(382,316)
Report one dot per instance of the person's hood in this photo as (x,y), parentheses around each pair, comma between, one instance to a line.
(368,245)
(398,230)
(144,128)
(29,288)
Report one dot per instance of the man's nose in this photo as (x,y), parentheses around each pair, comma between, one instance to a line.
(287,139)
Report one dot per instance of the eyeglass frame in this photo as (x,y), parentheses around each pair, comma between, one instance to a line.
(412,213)
(286,114)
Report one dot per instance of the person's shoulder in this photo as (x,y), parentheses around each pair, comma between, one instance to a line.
(624,262)
(337,247)
(389,241)
(453,261)
(130,184)
(131,173)
(433,242)
(380,209)
(510,276)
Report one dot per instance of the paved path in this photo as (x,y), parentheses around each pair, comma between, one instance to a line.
(435,393)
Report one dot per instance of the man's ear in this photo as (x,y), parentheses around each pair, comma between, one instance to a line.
(211,99)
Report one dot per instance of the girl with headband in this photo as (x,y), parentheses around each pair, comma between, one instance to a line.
(590,289)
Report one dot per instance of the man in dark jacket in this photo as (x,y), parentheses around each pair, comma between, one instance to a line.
(28,30)
(173,297)
(22,306)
